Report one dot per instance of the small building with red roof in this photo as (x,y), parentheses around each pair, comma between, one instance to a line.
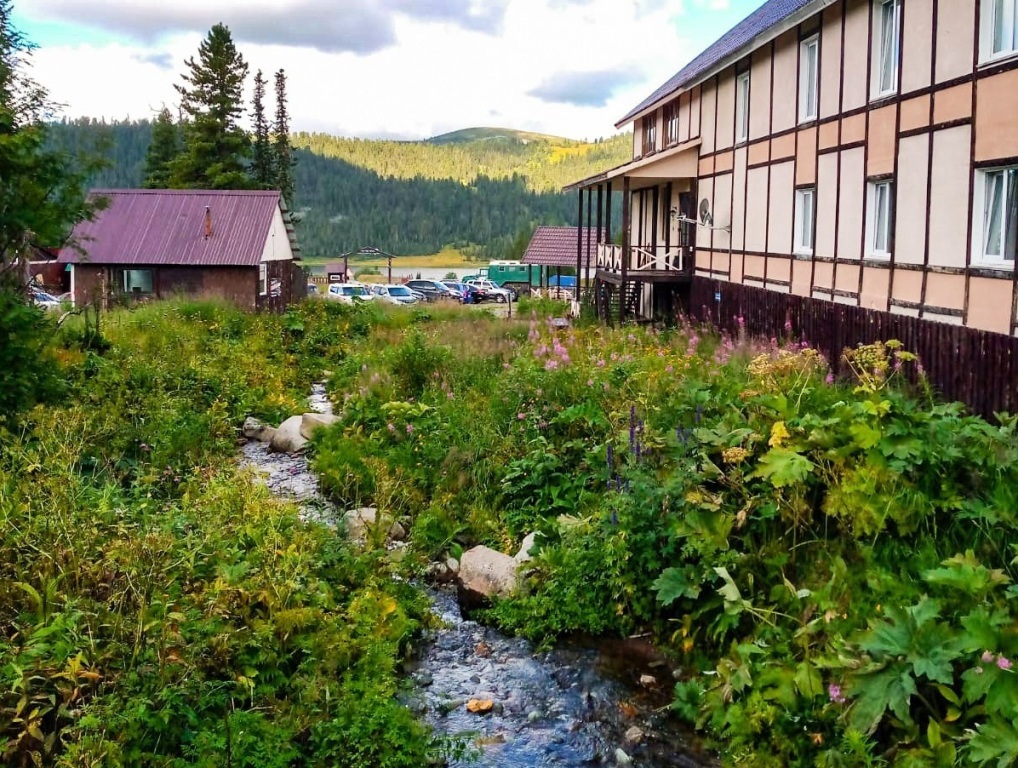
(237,245)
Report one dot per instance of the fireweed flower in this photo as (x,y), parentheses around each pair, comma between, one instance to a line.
(829,378)
(409,429)
(521,416)
(551,365)
(1003,662)
(835,694)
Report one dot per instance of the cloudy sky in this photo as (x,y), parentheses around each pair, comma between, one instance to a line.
(384,68)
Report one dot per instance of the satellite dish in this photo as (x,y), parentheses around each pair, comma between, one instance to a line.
(705,218)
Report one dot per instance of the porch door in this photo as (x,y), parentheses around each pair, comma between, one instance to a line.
(687,230)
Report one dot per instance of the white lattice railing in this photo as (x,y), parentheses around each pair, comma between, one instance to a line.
(641,258)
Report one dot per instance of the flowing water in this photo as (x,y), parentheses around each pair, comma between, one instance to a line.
(573,706)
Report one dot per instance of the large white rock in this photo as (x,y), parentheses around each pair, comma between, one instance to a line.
(253,428)
(485,573)
(312,422)
(362,524)
(288,438)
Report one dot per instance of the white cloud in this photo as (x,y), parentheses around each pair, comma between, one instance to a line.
(451,64)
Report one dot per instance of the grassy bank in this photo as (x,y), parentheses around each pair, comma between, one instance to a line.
(831,563)
(450,257)
(157,607)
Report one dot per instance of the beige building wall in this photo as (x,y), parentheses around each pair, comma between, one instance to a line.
(708,103)
(949,193)
(739,199)
(760,94)
(757,180)
(781,209)
(956,31)
(856,83)
(827,205)
(911,205)
(916,44)
(830,63)
(725,133)
(786,79)
(851,202)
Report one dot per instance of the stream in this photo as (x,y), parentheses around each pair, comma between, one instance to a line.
(603,703)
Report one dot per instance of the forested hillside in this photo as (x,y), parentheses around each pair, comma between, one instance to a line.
(472,187)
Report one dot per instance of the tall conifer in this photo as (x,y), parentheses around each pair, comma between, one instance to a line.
(262,171)
(282,150)
(215,146)
(162,152)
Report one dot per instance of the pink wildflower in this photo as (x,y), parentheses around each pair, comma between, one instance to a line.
(1003,662)
(834,691)
(987,657)
(830,377)
(391,427)
(409,429)
(551,365)
(521,416)
(600,363)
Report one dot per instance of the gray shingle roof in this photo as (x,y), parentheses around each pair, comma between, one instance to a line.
(768,15)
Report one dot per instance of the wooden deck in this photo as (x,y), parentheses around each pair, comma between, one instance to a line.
(614,277)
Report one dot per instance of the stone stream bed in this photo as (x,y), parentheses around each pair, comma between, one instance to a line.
(600,703)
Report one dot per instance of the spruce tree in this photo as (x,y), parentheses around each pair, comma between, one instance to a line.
(163,150)
(282,150)
(215,146)
(262,171)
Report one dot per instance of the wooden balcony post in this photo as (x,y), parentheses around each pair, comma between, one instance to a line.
(608,217)
(626,230)
(590,203)
(579,243)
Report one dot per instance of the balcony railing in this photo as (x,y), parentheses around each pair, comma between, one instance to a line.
(642,258)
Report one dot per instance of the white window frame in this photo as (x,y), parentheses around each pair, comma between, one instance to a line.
(129,283)
(982,217)
(263,279)
(809,90)
(892,37)
(742,107)
(1008,15)
(804,236)
(879,202)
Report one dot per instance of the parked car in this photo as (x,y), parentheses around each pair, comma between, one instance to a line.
(394,294)
(349,293)
(468,294)
(433,290)
(492,291)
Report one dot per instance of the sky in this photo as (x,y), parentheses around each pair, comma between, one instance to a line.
(392,69)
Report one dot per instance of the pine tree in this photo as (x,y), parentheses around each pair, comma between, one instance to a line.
(262,172)
(215,147)
(282,150)
(163,150)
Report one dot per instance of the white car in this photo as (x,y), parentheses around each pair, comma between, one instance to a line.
(394,294)
(492,290)
(349,293)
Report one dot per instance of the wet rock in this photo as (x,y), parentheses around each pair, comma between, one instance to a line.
(480,706)
(252,428)
(453,565)
(424,678)
(288,438)
(622,759)
(365,522)
(267,436)
(485,573)
(648,681)
(483,650)
(439,573)
(634,735)
(312,422)
(524,554)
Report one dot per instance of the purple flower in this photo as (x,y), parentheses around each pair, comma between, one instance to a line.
(551,365)
(830,377)
(600,363)
(1003,662)
(834,691)
(590,382)
(409,429)
(987,657)
(521,416)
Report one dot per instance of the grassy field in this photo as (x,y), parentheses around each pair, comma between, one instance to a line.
(447,257)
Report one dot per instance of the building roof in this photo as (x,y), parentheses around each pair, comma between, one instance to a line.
(168,226)
(556,246)
(744,37)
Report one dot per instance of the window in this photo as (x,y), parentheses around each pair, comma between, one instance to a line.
(672,123)
(263,274)
(886,42)
(809,78)
(997,212)
(999,28)
(742,107)
(805,200)
(137,281)
(878,219)
(649,134)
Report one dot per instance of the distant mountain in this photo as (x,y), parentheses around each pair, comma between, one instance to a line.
(479,187)
(488,134)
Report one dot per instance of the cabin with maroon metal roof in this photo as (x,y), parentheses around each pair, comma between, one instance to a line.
(237,245)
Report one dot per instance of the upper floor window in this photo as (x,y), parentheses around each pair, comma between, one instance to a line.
(996,212)
(999,28)
(878,219)
(649,134)
(805,208)
(886,45)
(742,107)
(672,123)
(809,78)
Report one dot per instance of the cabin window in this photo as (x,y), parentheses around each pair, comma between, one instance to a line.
(999,28)
(742,107)
(997,215)
(878,219)
(805,206)
(809,78)
(672,123)
(886,45)
(263,278)
(649,134)
(137,281)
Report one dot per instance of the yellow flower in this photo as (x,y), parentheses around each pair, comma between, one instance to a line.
(734,455)
(779,433)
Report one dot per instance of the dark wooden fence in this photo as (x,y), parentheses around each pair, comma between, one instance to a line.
(976,367)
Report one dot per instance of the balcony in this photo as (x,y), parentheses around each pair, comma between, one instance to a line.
(646,263)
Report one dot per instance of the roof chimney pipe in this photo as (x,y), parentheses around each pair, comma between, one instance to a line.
(208,223)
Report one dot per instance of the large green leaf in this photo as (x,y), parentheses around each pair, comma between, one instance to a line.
(783,467)
(674,583)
